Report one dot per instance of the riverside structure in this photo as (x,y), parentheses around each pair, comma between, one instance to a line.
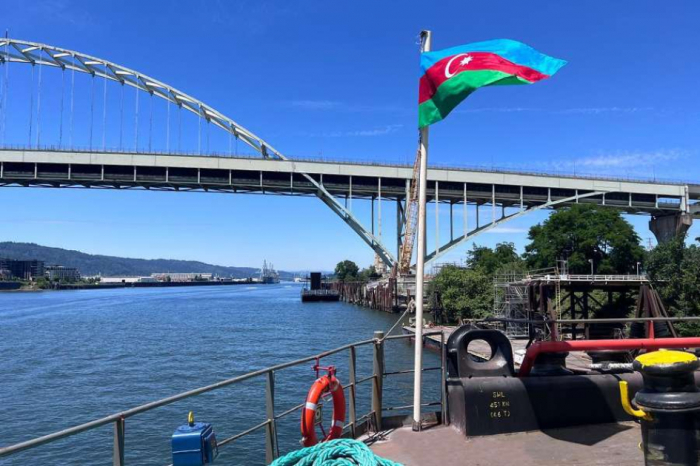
(507,195)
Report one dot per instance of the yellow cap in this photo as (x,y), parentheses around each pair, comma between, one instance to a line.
(664,358)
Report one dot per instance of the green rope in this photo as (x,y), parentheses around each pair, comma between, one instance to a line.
(341,452)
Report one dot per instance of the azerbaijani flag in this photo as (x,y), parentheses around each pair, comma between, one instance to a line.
(450,75)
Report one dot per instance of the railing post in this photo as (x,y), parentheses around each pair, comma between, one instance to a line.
(352,381)
(271,451)
(443,380)
(119,442)
(378,379)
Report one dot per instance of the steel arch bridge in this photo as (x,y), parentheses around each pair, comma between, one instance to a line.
(36,54)
(522,193)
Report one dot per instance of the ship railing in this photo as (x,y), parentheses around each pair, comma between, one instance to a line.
(374,420)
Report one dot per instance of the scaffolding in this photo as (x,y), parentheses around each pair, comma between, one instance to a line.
(554,294)
(510,301)
(511,298)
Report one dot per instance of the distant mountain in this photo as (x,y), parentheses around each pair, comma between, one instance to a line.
(93,264)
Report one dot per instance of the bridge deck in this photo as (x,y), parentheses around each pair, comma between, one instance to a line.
(231,174)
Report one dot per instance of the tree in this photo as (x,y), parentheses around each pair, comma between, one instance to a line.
(467,293)
(346,270)
(464,293)
(490,261)
(674,269)
(665,270)
(370,273)
(582,232)
(42,283)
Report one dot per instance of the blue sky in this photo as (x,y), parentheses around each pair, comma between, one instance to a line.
(339,80)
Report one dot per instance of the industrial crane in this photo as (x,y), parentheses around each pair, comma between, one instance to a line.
(411,221)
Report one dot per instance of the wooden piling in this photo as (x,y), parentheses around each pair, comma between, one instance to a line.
(381,295)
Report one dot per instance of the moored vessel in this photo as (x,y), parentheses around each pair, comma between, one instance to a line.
(268,274)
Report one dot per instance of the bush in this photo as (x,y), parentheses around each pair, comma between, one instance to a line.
(674,270)
(465,293)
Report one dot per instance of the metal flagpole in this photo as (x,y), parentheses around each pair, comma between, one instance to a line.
(420,262)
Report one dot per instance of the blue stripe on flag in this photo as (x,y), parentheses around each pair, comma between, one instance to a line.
(511,50)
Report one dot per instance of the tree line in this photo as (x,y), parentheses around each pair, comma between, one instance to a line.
(589,239)
(347,270)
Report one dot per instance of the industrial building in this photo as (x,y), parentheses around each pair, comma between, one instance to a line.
(21,269)
(182,277)
(109,280)
(61,273)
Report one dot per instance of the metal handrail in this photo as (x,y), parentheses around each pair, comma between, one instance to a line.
(397,408)
(411,371)
(270,423)
(611,320)
(244,433)
(166,401)
(597,277)
(584,277)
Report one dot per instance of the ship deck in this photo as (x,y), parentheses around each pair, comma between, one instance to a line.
(603,444)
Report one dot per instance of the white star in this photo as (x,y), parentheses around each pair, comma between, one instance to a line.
(465,61)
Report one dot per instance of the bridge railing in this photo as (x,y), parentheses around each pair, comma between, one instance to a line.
(355,427)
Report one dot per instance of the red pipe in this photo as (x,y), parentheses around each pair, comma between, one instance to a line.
(597,345)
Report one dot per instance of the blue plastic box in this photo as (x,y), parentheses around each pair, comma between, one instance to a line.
(194,445)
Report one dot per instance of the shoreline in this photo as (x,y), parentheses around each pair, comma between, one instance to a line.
(111,286)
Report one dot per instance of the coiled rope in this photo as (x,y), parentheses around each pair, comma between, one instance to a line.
(341,452)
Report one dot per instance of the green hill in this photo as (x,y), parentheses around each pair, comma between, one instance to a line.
(93,264)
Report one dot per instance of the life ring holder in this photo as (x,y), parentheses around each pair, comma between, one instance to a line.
(323,385)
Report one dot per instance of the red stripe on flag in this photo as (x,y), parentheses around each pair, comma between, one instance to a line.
(472,61)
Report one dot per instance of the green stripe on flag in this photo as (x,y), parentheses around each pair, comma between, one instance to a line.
(456,89)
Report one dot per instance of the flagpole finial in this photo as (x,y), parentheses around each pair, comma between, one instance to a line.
(425,40)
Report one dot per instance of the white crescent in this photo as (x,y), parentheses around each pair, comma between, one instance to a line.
(447,68)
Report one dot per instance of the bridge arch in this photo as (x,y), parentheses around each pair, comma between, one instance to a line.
(33,53)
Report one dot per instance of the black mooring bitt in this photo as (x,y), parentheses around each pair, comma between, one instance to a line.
(460,363)
(486,398)
(499,405)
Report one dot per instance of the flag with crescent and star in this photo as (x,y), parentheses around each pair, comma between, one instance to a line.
(450,75)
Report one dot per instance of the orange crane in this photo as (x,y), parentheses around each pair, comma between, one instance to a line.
(411,221)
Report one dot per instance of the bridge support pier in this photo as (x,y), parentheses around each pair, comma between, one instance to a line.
(667,227)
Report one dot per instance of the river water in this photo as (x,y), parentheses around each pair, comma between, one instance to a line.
(73,356)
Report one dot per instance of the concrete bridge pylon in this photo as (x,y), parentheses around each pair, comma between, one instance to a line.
(667,227)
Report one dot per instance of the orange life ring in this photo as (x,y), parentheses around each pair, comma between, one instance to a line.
(321,386)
